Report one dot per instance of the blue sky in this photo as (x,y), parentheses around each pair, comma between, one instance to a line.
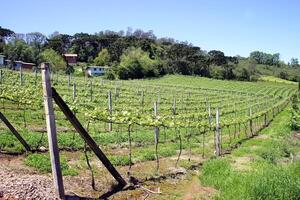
(232,26)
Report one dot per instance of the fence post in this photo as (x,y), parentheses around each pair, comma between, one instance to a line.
(156,132)
(51,130)
(174,106)
(1,76)
(110,109)
(218,134)
(251,122)
(74,91)
(21,75)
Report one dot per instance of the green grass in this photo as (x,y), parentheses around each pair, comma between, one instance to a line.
(41,162)
(276,80)
(268,176)
(268,183)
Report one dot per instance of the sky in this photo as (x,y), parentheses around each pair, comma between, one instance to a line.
(236,27)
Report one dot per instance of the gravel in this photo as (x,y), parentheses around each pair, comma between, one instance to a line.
(18,185)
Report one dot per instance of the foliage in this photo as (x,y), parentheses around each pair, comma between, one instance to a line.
(295,113)
(56,61)
(136,63)
(103,58)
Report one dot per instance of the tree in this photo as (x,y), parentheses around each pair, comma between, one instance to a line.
(136,63)
(56,60)
(19,50)
(294,62)
(103,58)
(36,39)
(3,34)
(217,58)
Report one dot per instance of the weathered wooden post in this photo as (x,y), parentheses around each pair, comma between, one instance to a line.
(142,98)
(251,122)
(51,130)
(156,137)
(35,75)
(74,91)
(218,134)
(209,116)
(174,106)
(21,75)
(69,81)
(1,75)
(110,109)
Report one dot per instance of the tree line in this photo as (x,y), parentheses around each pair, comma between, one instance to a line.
(130,54)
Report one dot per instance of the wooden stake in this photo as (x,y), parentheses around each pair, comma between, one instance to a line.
(87,138)
(51,130)
(174,106)
(74,91)
(14,131)
(156,132)
(218,134)
(21,75)
(110,109)
(251,121)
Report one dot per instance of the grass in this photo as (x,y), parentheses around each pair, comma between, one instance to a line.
(268,177)
(276,80)
(41,162)
(268,183)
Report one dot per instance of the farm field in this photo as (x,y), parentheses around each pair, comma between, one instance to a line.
(155,130)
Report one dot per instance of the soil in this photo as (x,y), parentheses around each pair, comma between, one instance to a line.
(18,181)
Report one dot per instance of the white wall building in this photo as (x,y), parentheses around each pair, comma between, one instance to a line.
(1,60)
(96,70)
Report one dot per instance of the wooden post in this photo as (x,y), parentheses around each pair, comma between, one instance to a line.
(110,109)
(74,91)
(156,137)
(35,75)
(174,106)
(218,134)
(14,131)
(21,75)
(87,138)
(1,76)
(209,116)
(251,121)
(51,130)
(69,81)
(142,98)
(265,119)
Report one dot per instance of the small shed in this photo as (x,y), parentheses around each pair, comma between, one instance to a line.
(28,66)
(70,58)
(24,65)
(96,70)
(2,60)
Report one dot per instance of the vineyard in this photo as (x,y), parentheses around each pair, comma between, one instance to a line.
(146,127)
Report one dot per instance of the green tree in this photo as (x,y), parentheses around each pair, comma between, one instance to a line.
(103,58)
(56,61)
(136,63)
(294,62)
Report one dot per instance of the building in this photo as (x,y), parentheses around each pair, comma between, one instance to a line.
(2,60)
(95,70)
(71,59)
(25,66)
